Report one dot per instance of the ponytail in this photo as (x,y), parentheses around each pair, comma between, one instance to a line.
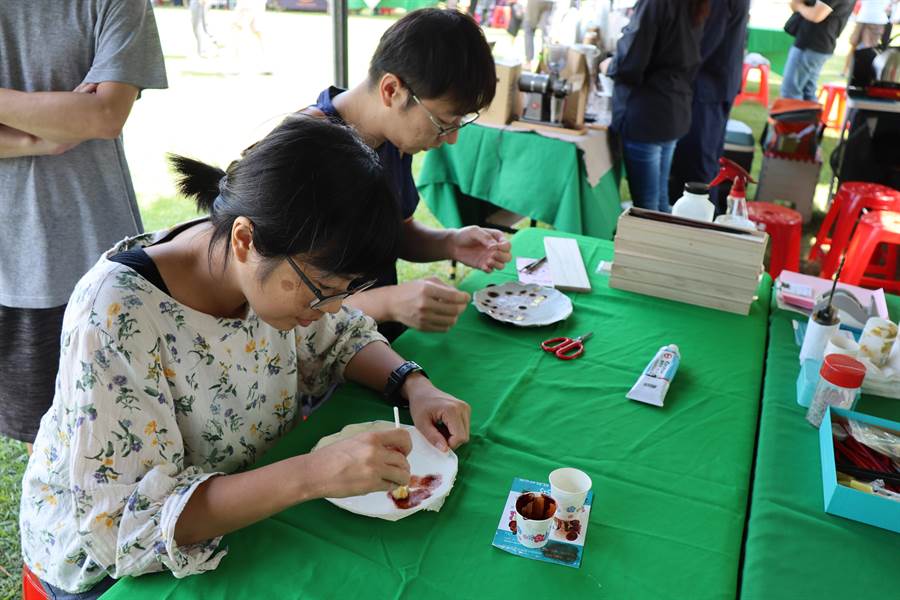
(197,180)
(310,187)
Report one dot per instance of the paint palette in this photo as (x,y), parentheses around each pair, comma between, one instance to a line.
(523,304)
(434,473)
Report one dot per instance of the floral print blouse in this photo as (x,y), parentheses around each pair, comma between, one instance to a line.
(153,398)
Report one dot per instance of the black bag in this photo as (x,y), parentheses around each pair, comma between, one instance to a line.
(792,25)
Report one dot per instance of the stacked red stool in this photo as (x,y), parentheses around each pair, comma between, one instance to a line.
(31,586)
(833,92)
(762,94)
(785,228)
(852,199)
(874,228)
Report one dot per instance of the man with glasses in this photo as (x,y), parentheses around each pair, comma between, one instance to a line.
(429,77)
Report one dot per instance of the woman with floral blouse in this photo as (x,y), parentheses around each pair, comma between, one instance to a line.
(183,354)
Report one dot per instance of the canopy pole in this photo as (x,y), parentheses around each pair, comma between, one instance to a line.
(339,28)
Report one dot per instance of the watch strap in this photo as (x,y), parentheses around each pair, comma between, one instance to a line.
(396,380)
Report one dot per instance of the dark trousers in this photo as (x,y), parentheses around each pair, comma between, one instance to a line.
(29,359)
(697,153)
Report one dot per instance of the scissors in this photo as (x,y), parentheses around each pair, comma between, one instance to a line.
(566,348)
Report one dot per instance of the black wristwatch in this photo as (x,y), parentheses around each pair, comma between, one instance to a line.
(397,379)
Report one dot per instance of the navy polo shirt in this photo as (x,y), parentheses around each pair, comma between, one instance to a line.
(398,170)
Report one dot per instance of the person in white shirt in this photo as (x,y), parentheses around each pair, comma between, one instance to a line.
(871,20)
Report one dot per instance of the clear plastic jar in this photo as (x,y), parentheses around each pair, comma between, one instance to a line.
(841,378)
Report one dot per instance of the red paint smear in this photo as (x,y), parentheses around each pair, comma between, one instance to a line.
(420,489)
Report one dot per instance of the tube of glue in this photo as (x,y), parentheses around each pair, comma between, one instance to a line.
(653,383)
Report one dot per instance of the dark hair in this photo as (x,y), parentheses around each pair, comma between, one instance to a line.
(310,187)
(438,53)
(699,11)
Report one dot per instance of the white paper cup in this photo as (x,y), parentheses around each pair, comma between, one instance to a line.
(534,519)
(841,344)
(877,340)
(569,487)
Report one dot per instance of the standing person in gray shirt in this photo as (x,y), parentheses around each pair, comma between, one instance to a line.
(69,74)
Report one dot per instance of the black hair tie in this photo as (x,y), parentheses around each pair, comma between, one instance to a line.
(218,204)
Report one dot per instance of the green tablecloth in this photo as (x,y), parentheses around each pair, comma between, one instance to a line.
(771,43)
(527,173)
(670,484)
(794,549)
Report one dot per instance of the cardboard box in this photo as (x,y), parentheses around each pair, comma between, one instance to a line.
(847,502)
(507,104)
(783,180)
(576,73)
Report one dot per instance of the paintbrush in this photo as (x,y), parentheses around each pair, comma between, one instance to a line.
(403,491)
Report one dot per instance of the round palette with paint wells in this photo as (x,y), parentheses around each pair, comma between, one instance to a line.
(433,475)
(523,304)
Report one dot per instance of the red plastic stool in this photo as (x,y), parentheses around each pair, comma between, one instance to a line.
(31,586)
(884,261)
(833,92)
(881,227)
(852,198)
(500,17)
(785,227)
(762,94)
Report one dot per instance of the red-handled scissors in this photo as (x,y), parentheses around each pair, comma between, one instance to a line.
(566,348)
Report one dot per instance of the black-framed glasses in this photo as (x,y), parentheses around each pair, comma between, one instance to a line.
(442,129)
(321,299)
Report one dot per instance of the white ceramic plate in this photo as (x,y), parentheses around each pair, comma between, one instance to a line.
(523,304)
(424,460)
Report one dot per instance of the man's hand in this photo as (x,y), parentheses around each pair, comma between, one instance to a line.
(485,249)
(88,112)
(15,144)
(811,10)
(86,88)
(427,304)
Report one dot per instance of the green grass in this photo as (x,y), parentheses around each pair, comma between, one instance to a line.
(12,466)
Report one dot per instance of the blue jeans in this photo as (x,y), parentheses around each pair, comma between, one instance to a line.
(801,73)
(647,165)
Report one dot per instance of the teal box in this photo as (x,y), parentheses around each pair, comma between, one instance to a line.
(847,502)
(807,381)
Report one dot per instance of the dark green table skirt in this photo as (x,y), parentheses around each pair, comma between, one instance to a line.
(527,173)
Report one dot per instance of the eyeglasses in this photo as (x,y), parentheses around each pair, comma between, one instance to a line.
(321,299)
(441,128)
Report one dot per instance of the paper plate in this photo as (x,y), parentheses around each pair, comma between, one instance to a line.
(523,304)
(424,460)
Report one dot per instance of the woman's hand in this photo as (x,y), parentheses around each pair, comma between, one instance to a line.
(364,463)
(430,407)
